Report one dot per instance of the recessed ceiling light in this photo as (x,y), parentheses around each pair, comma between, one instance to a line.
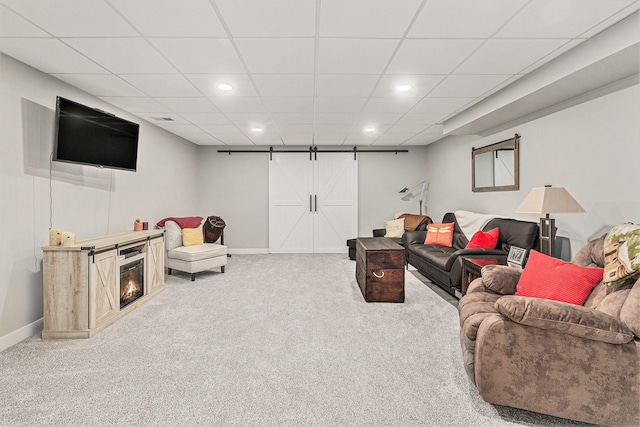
(256,129)
(369,129)
(225,86)
(404,88)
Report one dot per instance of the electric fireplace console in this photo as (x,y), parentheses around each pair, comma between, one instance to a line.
(95,282)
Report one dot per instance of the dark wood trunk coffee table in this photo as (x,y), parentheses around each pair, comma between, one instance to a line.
(380,269)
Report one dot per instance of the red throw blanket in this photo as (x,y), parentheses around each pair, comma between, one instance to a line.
(183,222)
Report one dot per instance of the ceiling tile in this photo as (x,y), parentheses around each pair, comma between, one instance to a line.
(390,104)
(393,138)
(13,25)
(283,119)
(286,56)
(49,56)
(207,140)
(187,105)
(234,139)
(611,20)
(420,118)
(246,120)
(463,18)
(73,18)
(420,85)
(361,139)
(560,18)
(122,55)
(288,104)
(219,129)
(284,84)
(265,138)
(136,104)
(347,85)
(273,18)
(440,105)
(359,18)
(407,128)
(335,118)
(354,56)
(431,56)
(322,138)
(299,138)
(206,118)
(162,84)
(169,18)
(215,56)
(339,104)
(507,56)
(295,129)
(208,84)
(238,104)
(100,84)
(333,128)
(467,85)
(377,119)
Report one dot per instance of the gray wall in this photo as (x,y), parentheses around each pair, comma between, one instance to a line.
(85,200)
(236,188)
(591,149)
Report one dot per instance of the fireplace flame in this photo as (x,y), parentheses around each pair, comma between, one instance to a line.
(130,290)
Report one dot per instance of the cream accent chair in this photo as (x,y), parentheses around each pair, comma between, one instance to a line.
(191,259)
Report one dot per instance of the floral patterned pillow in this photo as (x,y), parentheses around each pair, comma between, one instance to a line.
(621,253)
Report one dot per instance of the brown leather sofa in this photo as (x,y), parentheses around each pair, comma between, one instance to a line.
(560,359)
(443,265)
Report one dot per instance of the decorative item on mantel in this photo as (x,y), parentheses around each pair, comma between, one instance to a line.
(68,238)
(137,225)
(55,237)
(546,200)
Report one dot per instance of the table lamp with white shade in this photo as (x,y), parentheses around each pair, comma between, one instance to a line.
(547,200)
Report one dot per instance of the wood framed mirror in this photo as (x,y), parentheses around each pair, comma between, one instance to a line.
(496,167)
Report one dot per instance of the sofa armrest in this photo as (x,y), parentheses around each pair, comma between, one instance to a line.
(501,279)
(566,318)
(413,237)
(379,232)
(475,252)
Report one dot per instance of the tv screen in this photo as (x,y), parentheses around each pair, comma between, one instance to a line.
(89,136)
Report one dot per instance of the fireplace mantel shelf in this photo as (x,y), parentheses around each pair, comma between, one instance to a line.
(81,282)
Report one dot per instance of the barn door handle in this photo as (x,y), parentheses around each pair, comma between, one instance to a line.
(316,202)
(380,276)
(310,203)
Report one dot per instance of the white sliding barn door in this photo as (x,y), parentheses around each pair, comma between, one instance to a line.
(336,185)
(313,204)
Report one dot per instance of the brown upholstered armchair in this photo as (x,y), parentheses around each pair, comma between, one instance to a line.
(565,360)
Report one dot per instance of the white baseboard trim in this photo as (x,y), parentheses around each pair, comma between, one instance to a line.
(248,251)
(23,333)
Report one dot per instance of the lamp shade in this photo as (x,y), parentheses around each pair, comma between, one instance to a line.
(543,200)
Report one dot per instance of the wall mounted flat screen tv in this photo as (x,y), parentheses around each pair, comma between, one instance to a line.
(89,136)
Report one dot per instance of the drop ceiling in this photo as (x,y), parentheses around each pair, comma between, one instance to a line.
(302,72)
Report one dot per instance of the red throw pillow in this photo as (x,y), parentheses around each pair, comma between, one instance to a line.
(484,240)
(440,234)
(551,278)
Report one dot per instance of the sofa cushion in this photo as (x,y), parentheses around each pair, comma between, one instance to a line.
(192,237)
(440,234)
(436,255)
(197,253)
(630,311)
(523,234)
(473,308)
(567,318)
(622,253)
(394,228)
(484,239)
(172,235)
(554,279)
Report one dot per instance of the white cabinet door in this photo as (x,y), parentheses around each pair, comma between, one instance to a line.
(313,204)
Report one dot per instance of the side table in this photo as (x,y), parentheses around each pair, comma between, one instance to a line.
(472,267)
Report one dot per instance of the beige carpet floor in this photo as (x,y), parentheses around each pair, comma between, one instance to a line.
(282,340)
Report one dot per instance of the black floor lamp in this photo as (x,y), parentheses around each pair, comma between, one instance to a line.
(546,200)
